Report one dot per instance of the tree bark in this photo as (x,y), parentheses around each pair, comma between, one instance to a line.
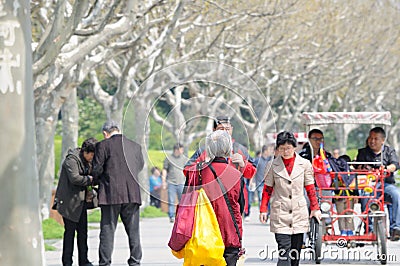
(70,119)
(21,235)
(141,125)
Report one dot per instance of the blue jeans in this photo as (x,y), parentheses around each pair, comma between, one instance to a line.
(259,190)
(173,190)
(391,190)
(250,195)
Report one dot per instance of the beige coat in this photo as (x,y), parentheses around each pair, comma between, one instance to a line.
(289,212)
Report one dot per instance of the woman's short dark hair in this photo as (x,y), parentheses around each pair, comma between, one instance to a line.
(89,145)
(286,137)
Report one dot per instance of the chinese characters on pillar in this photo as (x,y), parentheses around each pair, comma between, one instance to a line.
(10,57)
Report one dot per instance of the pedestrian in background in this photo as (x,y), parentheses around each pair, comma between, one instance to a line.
(336,153)
(173,178)
(267,154)
(285,182)
(70,200)
(117,163)
(155,187)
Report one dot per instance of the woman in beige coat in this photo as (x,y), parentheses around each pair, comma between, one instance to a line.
(285,181)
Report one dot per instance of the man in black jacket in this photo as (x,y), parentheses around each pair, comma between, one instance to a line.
(116,164)
(376,151)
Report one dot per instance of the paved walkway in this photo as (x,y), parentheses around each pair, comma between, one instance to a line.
(258,241)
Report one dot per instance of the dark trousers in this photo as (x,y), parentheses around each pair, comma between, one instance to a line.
(289,249)
(155,198)
(68,242)
(129,213)
(231,256)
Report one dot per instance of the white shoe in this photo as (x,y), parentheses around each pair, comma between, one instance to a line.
(247,219)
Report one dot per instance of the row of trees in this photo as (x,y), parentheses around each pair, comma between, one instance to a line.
(262,62)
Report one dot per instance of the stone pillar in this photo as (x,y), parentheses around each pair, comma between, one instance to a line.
(21,232)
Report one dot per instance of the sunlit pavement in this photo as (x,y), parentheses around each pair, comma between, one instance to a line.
(259,243)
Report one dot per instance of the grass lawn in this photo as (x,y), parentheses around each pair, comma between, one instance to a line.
(52,229)
(156,158)
(48,247)
(152,212)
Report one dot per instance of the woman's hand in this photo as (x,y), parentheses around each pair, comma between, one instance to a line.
(263,217)
(317,214)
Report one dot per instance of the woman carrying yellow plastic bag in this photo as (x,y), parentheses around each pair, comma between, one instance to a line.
(206,246)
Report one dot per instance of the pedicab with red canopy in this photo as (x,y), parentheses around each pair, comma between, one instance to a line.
(337,180)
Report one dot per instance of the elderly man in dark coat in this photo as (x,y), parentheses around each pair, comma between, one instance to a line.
(116,165)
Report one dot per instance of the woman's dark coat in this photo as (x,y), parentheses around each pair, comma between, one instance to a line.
(71,189)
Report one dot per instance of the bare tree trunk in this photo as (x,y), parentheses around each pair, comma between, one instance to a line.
(21,235)
(45,130)
(141,137)
(47,108)
(70,119)
(394,136)
(347,128)
(341,139)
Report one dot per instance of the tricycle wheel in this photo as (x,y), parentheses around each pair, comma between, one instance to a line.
(381,242)
(316,235)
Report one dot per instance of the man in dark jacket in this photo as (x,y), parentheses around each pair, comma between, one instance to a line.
(116,165)
(316,137)
(376,151)
(70,201)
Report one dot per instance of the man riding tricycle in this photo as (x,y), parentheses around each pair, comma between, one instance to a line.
(342,182)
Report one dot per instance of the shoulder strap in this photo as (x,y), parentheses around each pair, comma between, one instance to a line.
(189,181)
(227,201)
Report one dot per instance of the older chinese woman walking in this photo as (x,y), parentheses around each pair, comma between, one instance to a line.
(285,181)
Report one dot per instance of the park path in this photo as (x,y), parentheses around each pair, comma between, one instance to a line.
(258,241)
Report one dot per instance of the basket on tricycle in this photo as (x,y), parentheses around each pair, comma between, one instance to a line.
(347,185)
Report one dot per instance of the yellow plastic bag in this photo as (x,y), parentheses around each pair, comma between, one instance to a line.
(206,246)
